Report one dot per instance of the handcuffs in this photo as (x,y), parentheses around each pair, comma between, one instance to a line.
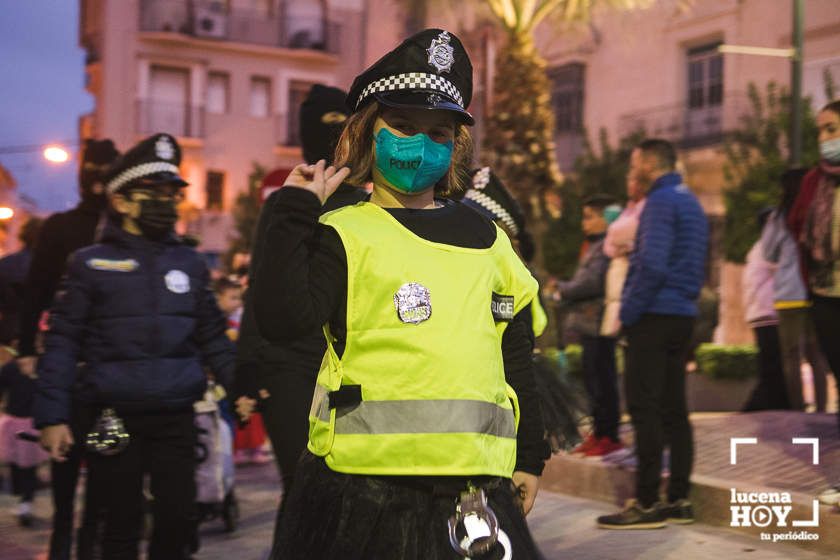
(474,529)
(108,436)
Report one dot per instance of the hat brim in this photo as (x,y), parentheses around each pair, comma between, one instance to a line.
(431,100)
(480,209)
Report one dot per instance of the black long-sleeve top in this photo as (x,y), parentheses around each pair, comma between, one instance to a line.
(258,358)
(61,234)
(301,284)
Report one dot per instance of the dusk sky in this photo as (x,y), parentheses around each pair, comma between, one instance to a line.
(42,95)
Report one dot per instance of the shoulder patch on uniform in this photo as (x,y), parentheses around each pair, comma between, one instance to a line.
(112,265)
(502,307)
(177,281)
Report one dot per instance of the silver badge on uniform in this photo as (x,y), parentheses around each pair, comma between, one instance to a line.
(164,148)
(441,53)
(413,302)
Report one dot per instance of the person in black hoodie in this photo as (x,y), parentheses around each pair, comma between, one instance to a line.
(285,372)
(136,310)
(62,234)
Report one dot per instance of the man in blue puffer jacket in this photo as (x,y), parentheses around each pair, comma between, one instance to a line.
(658,307)
(135,310)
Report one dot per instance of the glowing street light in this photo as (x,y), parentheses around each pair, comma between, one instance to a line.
(6,213)
(56,154)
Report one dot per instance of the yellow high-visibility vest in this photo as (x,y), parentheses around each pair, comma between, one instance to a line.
(424,331)
(539,318)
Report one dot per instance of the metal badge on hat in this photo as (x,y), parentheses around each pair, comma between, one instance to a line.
(413,302)
(441,53)
(164,148)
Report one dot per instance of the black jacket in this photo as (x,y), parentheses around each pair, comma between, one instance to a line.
(140,317)
(61,234)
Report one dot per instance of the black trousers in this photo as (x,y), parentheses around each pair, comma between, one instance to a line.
(770,392)
(601,380)
(163,446)
(657,348)
(826,313)
(24,482)
(286,417)
(64,477)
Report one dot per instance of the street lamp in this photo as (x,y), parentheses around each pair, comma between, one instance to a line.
(795,56)
(6,213)
(56,154)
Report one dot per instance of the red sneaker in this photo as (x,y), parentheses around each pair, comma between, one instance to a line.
(585,445)
(603,446)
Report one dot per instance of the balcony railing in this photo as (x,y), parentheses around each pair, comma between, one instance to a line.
(686,126)
(179,119)
(210,19)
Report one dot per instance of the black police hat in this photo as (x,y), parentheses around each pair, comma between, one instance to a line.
(322,117)
(153,161)
(429,70)
(490,197)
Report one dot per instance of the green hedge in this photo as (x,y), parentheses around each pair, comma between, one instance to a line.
(574,359)
(720,361)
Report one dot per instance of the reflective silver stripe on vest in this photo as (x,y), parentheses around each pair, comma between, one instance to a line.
(424,417)
(320,407)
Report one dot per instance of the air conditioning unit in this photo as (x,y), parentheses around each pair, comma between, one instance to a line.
(210,20)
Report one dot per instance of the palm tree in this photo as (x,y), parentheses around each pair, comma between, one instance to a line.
(519,138)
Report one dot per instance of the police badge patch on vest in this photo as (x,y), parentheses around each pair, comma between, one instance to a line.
(413,302)
(111,265)
(502,307)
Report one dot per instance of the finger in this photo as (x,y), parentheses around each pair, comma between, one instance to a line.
(338,178)
(329,172)
(318,172)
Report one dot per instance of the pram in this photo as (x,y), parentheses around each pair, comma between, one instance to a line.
(214,474)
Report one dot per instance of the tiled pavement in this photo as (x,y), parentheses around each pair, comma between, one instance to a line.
(773,464)
(563,525)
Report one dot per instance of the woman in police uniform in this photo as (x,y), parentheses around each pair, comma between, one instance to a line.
(425,406)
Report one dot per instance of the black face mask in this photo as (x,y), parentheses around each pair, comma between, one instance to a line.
(157,218)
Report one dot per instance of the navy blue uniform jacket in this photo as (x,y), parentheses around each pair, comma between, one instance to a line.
(133,320)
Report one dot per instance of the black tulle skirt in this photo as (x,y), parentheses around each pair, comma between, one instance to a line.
(335,516)
(563,403)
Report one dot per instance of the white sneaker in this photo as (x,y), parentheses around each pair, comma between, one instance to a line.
(830,497)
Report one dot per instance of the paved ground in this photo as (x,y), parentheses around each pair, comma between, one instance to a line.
(562,525)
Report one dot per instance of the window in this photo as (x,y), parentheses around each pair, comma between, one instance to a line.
(705,77)
(167,108)
(567,97)
(218,85)
(297,95)
(214,189)
(260,97)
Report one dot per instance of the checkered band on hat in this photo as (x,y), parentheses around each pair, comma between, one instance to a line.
(412,81)
(140,171)
(494,208)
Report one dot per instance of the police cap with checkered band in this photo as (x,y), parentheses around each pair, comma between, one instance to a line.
(153,161)
(429,70)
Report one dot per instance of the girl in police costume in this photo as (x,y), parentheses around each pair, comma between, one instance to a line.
(425,404)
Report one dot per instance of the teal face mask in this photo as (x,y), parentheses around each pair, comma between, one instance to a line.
(411,164)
